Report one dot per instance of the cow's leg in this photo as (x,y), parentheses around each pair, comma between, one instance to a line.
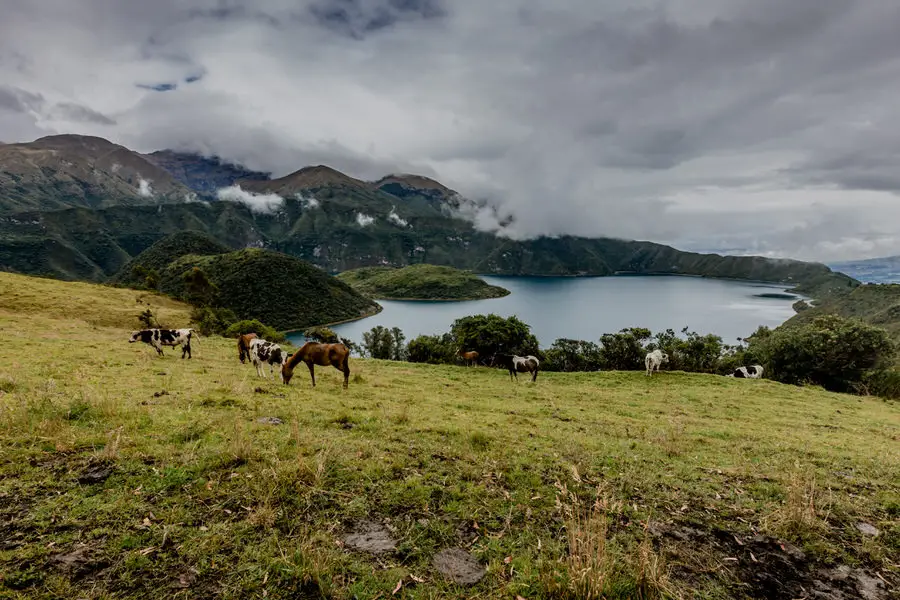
(312,373)
(534,376)
(346,370)
(159,349)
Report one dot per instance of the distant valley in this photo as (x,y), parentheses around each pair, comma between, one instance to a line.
(873,270)
(76,207)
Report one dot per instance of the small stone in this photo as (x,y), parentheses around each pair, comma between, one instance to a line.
(459,566)
(270,421)
(866,529)
(369,536)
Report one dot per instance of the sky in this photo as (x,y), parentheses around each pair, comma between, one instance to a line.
(765,127)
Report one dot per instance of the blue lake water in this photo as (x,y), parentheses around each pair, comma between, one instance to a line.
(586,307)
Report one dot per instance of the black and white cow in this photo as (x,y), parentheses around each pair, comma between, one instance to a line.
(654,360)
(165,337)
(263,352)
(751,372)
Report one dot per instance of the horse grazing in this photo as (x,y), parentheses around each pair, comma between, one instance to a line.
(244,346)
(469,357)
(315,353)
(517,364)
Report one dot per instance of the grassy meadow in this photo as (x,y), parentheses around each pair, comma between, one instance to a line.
(125,475)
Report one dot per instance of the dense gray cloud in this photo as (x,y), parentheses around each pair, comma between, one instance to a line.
(757,126)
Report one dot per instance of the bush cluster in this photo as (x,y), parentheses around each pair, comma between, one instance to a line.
(843,355)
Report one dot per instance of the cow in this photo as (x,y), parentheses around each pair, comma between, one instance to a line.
(165,337)
(751,372)
(243,345)
(270,353)
(654,359)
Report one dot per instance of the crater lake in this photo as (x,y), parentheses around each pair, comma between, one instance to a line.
(586,307)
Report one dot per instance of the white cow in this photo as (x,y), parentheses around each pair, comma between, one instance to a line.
(751,372)
(654,359)
(165,337)
(263,352)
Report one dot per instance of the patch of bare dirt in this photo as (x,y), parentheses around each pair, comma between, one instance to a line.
(78,562)
(370,536)
(459,566)
(775,569)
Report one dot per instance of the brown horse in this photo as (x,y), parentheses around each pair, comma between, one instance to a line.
(469,357)
(244,346)
(314,353)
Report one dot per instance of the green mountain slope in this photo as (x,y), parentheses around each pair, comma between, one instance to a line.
(279,290)
(165,252)
(420,282)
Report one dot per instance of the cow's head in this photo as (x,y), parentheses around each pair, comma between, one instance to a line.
(135,336)
(665,357)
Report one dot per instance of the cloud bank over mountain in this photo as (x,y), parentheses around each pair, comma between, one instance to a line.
(756,126)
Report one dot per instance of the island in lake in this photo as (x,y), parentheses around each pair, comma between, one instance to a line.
(420,282)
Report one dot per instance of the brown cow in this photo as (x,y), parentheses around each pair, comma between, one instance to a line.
(314,353)
(244,346)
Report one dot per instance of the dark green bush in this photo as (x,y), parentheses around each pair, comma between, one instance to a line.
(321,334)
(572,355)
(830,351)
(433,349)
(253,326)
(212,321)
(624,351)
(489,334)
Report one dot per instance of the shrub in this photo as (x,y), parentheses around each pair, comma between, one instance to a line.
(148,319)
(321,334)
(693,352)
(433,349)
(624,351)
(572,355)
(830,351)
(489,334)
(253,326)
(212,321)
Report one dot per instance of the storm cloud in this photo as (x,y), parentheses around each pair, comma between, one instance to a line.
(746,126)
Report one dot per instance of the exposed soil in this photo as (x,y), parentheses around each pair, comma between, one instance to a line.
(270,421)
(369,536)
(459,566)
(774,569)
(78,562)
(95,473)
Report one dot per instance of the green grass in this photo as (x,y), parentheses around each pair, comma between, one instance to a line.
(153,478)
(420,282)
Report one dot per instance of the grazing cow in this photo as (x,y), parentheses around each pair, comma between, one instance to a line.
(517,364)
(244,345)
(266,353)
(315,353)
(654,359)
(751,372)
(468,357)
(165,337)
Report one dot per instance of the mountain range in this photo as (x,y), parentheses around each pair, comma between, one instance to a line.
(78,207)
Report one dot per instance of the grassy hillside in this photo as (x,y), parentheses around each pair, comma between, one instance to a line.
(126,475)
(281,291)
(878,304)
(420,282)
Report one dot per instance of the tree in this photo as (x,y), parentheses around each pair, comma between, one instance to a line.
(199,289)
(624,351)
(572,355)
(321,334)
(386,344)
(830,351)
(433,349)
(489,334)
